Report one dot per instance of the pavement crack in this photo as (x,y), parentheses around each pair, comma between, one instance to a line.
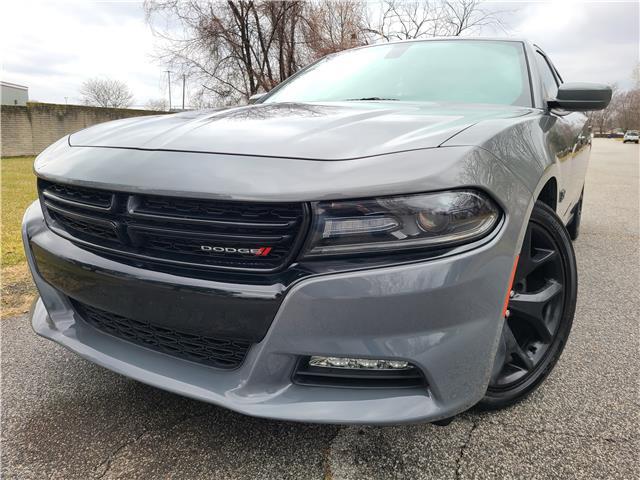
(106,463)
(590,437)
(463,448)
(328,475)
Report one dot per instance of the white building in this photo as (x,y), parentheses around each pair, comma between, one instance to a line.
(13,94)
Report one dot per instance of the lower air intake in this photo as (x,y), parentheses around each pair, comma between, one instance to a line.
(225,353)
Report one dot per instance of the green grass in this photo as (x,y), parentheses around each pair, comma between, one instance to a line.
(18,191)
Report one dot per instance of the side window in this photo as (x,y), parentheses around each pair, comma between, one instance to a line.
(549,83)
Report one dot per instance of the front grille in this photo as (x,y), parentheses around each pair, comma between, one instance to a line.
(247,236)
(226,353)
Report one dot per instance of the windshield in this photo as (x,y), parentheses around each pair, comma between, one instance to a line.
(465,71)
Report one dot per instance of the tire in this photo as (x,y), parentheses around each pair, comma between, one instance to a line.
(550,277)
(573,227)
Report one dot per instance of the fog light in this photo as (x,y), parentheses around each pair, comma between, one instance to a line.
(398,364)
(364,363)
(337,362)
(359,363)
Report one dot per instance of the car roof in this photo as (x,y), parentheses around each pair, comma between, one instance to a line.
(436,39)
(431,39)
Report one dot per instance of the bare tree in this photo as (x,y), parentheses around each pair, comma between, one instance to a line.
(603,121)
(236,48)
(201,100)
(157,104)
(627,109)
(397,20)
(333,26)
(409,19)
(467,16)
(104,92)
(627,103)
(622,113)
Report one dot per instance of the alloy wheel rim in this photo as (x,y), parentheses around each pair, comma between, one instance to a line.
(535,310)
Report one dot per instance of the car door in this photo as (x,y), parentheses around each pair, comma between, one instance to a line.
(581,132)
(568,140)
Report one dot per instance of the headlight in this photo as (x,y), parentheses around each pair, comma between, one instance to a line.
(405,222)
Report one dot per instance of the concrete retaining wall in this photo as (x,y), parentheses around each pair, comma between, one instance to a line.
(27,130)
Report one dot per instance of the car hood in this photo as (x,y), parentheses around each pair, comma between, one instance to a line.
(313,131)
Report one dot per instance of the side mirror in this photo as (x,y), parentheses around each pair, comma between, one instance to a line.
(581,97)
(254,98)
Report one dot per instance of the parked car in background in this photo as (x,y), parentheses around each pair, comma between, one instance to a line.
(631,136)
(385,237)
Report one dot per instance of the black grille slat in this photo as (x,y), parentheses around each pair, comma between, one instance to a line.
(224,353)
(177,230)
(135,213)
(82,228)
(240,238)
(216,209)
(80,195)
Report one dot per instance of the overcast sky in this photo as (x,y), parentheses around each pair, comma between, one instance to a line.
(53,46)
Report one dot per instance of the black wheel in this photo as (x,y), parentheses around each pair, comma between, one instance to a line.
(540,311)
(573,227)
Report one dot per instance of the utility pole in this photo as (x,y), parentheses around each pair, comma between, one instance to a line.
(183,82)
(169,85)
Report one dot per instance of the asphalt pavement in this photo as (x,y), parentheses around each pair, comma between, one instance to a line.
(63,417)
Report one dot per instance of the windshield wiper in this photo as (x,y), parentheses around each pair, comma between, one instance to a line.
(370,98)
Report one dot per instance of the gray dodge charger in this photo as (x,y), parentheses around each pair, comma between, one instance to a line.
(385,237)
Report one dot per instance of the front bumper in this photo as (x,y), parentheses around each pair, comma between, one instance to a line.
(443,316)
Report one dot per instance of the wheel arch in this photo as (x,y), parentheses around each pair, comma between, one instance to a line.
(548,194)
